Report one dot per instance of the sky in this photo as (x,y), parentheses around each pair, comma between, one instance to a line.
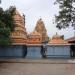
(36,9)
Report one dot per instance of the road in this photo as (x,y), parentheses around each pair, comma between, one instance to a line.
(36,69)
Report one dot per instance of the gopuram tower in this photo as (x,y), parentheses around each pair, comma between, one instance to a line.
(40,28)
(19,35)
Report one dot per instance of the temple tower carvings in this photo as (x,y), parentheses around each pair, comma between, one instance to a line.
(40,28)
(19,35)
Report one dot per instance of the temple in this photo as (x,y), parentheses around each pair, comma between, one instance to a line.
(57,40)
(36,44)
(19,35)
(58,47)
(40,28)
(34,38)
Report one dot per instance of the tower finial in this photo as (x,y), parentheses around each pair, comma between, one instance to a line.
(56,33)
(40,18)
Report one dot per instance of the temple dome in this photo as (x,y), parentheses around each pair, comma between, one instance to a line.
(57,40)
(56,36)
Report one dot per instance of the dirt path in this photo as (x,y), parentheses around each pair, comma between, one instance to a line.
(36,69)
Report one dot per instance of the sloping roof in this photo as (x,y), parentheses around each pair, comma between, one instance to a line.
(71,39)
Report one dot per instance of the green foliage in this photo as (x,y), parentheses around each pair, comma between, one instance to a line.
(5,41)
(66,15)
(6,26)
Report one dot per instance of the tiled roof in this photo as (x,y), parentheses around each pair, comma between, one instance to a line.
(71,39)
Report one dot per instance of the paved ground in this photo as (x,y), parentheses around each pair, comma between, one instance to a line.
(41,61)
(36,69)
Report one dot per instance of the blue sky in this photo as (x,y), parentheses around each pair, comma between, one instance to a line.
(36,9)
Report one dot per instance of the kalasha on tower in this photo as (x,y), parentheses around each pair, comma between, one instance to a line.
(19,35)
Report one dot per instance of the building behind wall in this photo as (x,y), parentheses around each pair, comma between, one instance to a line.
(18,38)
(72,47)
(22,42)
(34,38)
(34,42)
(19,35)
(40,28)
(58,47)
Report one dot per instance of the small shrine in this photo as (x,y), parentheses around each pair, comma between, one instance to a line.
(34,38)
(57,40)
(58,47)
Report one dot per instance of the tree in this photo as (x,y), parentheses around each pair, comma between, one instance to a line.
(0,1)
(66,15)
(6,26)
